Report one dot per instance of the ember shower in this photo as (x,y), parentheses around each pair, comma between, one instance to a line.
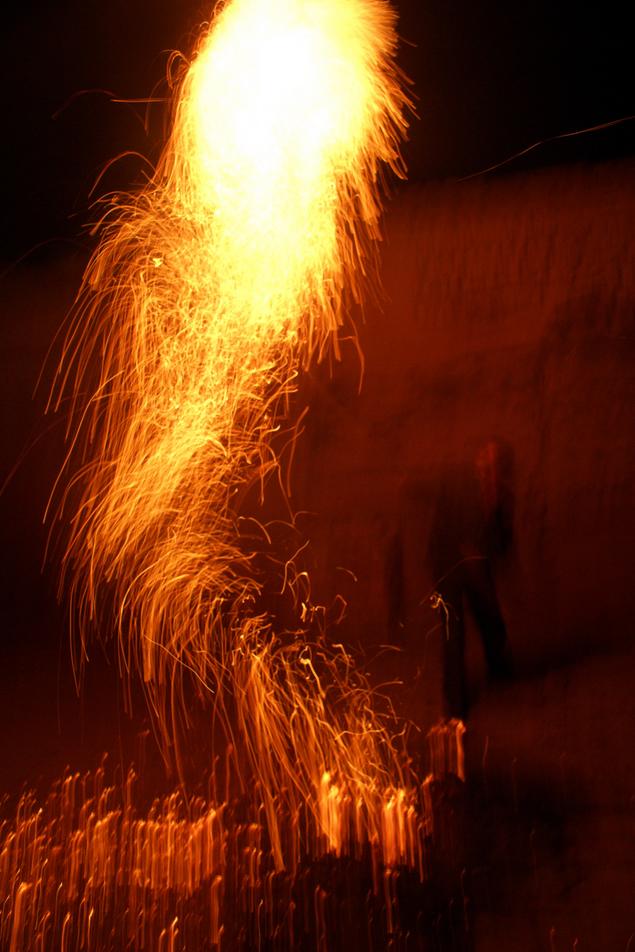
(206,292)
(209,289)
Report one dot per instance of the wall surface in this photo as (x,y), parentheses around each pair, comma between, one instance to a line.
(507,312)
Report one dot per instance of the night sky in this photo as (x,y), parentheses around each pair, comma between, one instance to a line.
(491,79)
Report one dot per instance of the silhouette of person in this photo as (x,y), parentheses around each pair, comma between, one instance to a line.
(471,530)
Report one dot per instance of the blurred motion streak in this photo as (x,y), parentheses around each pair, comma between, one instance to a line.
(87,870)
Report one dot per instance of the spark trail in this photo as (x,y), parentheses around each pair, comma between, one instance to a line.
(208,290)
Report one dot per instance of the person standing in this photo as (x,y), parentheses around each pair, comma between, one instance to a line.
(472,530)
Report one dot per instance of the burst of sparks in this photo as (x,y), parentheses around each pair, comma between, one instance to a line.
(208,290)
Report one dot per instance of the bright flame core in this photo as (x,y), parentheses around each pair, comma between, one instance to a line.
(284,119)
(207,290)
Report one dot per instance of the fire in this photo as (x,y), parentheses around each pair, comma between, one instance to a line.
(208,290)
(285,116)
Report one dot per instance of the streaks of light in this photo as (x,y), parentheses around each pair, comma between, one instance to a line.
(208,290)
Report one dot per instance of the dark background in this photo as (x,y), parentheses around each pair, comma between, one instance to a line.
(491,79)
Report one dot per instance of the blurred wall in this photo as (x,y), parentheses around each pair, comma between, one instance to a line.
(507,311)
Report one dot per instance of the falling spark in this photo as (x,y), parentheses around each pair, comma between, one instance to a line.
(208,291)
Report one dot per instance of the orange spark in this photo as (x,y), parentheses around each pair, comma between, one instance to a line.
(208,290)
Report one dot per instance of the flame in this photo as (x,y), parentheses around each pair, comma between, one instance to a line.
(284,119)
(208,290)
